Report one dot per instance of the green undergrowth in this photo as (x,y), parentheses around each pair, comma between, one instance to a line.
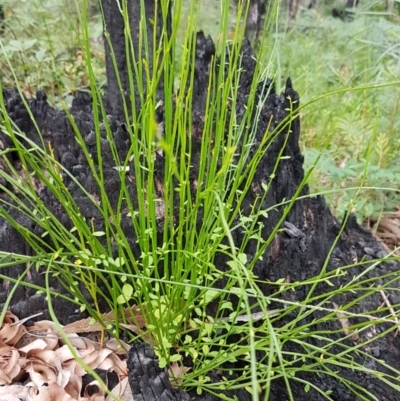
(351,59)
(173,280)
(42,43)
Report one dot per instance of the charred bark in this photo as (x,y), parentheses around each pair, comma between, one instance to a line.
(254,19)
(151,383)
(118,49)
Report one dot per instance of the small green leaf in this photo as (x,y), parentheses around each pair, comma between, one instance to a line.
(127,291)
(119,262)
(227,305)
(178,320)
(208,327)
(242,258)
(175,358)
(121,300)
(232,263)
(210,295)
(99,233)
(194,353)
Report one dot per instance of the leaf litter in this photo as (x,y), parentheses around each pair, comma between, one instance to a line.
(36,364)
(387,230)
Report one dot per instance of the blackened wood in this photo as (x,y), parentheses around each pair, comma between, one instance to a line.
(2,19)
(255,18)
(119,53)
(151,383)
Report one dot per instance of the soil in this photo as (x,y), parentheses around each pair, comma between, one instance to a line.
(298,251)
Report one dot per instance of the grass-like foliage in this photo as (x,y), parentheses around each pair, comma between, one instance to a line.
(355,59)
(183,224)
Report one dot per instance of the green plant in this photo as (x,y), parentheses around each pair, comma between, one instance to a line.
(173,278)
(332,56)
(44,56)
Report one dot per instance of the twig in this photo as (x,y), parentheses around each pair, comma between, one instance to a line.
(391,310)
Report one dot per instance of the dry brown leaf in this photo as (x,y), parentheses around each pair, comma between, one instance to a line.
(114,363)
(96,358)
(12,397)
(11,331)
(44,325)
(66,359)
(13,393)
(177,371)
(132,314)
(54,372)
(52,392)
(387,229)
(81,343)
(46,331)
(46,356)
(131,327)
(41,373)
(83,326)
(57,393)
(118,346)
(70,382)
(36,345)
(9,368)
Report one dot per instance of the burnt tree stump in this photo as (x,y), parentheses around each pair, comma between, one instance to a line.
(297,252)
